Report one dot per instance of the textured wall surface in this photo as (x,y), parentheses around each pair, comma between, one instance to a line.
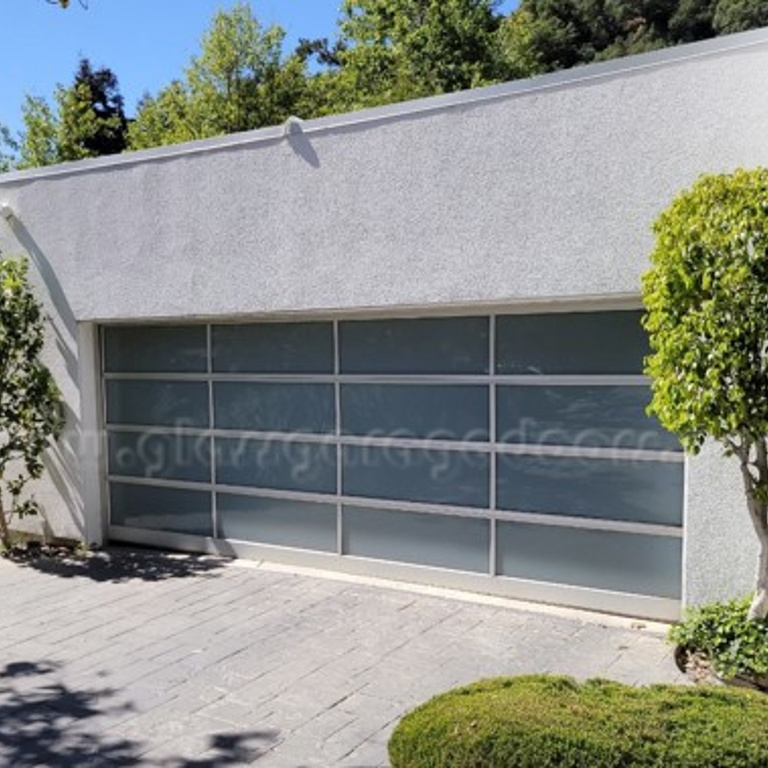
(720,545)
(519,194)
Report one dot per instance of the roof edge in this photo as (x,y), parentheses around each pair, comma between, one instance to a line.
(573,77)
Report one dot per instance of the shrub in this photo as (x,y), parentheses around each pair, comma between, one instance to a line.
(555,722)
(707,321)
(30,403)
(734,646)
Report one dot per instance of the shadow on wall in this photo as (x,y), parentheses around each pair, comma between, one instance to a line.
(45,722)
(301,145)
(61,461)
(118,566)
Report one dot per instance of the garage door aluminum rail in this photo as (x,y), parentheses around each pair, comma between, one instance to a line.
(507,454)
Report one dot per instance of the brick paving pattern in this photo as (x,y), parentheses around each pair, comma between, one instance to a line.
(131,658)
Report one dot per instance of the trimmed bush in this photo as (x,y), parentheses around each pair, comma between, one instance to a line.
(735,646)
(555,722)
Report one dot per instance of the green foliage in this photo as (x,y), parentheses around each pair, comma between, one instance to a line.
(30,405)
(88,121)
(162,119)
(707,301)
(8,149)
(394,49)
(734,646)
(555,722)
(739,15)
(37,145)
(238,82)
(385,51)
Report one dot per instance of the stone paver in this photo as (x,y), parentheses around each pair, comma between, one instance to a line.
(133,658)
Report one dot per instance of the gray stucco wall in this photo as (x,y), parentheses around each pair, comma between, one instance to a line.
(522,194)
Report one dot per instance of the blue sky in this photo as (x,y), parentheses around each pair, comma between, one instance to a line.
(145,42)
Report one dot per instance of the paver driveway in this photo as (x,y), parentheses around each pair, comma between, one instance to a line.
(148,659)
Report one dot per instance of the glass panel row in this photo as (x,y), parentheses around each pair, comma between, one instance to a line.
(592,343)
(581,416)
(634,563)
(626,490)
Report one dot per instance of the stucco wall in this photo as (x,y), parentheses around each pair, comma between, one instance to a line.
(530,192)
(720,545)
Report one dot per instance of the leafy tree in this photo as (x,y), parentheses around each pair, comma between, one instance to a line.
(238,82)
(391,50)
(563,33)
(37,145)
(386,51)
(92,116)
(692,20)
(162,119)
(707,316)
(547,35)
(739,15)
(237,57)
(8,149)
(88,121)
(30,405)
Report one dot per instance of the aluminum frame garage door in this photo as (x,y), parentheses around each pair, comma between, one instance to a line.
(514,447)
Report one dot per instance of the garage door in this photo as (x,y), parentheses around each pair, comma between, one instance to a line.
(515,448)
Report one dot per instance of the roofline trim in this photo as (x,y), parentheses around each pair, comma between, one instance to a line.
(576,76)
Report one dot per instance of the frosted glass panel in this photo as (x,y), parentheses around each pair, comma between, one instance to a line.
(273,348)
(637,491)
(621,562)
(571,343)
(274,407)
(171,457)
(594,417)
(443,412)
(438,540)
(282,522)
(155,349)
(458,478)
(429,345)
(158,403)
(281,464)
(161,509)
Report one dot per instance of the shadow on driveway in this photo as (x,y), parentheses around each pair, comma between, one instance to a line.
(118,565)
(46,723)
(43,722)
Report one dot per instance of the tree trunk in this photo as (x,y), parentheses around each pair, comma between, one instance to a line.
(755,475)
(759,607)
(5,536)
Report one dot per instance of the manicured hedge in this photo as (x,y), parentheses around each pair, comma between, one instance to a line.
(555,722)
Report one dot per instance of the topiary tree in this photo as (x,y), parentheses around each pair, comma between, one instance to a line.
(707,316)
(30,404)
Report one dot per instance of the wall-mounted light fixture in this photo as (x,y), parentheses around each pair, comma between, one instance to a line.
(6,211)
(292,126)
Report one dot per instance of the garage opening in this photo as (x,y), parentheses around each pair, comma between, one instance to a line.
(512,452)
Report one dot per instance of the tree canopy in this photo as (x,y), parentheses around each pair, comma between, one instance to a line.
(87,120)
(707,301)
(384,51)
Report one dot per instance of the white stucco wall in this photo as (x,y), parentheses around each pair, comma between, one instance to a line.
(525,193)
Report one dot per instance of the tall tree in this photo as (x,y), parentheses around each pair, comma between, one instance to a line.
(37,145)
(391,50)
(739,15)
(547,35)
(88,120)
(8,149)
(239,81)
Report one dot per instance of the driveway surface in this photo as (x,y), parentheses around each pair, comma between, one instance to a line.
(132,658)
